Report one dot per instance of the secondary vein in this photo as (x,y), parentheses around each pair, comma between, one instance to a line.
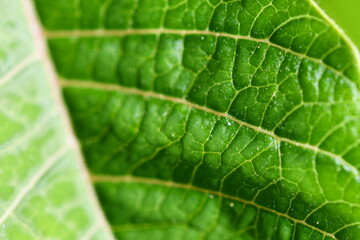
(114,87)
(107,33)
(132,179)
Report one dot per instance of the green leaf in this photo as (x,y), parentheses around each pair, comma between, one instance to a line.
(202,119)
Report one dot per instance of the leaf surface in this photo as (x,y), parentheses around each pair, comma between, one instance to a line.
(211,119)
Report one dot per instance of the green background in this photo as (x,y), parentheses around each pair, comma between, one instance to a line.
(346,14)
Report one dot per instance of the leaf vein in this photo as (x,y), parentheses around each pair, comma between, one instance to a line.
(133,179)
(105,33)
(112,87)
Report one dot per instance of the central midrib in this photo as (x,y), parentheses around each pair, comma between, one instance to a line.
(44,57)
(133,179)
(106,32)
(113,87)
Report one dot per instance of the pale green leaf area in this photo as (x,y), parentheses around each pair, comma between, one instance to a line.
(41,187)
(199,119)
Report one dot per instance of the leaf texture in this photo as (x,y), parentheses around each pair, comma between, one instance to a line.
(211,119)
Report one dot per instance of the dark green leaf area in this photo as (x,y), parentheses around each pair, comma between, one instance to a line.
(295,24)
(295,98)
(157,212)
(151,138)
